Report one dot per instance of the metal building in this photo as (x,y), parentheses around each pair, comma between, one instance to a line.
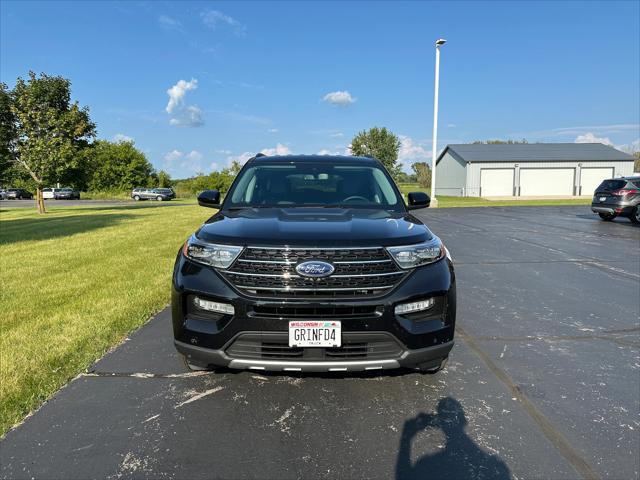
(530,169)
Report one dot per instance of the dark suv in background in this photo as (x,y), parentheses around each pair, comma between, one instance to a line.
(66,194)
(314,263)
(618,197)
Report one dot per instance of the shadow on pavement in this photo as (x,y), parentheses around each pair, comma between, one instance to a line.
(45,228)
(460,458)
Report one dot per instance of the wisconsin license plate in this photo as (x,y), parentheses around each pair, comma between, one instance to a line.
(315,334)
(602,199)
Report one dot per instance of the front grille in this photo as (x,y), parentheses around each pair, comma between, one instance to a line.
(308,312)
(270,272)
(378,346)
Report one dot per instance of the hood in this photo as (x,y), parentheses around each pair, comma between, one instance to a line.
(322,227)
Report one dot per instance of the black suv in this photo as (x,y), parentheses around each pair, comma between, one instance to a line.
(618,197)
(314,263)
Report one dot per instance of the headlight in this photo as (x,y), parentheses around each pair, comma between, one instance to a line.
(219,256)
(411,256)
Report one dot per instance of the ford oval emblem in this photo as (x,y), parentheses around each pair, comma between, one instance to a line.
(315,269)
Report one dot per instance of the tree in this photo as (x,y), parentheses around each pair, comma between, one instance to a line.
(235,168)
(164,179)
(378,143)
(423,173)
(118,166)
(51,131)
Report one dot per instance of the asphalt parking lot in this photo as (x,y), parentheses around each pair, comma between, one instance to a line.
(544,381)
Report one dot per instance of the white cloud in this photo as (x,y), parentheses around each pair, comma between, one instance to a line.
(451,125)
(273,130)
(242,158)
(182,163)
(194,156)
(279,149)
(169,23)
(190,116)
(214,18)
(589,137)
(121,137)
(411,152)
(181,113)
(178,92)
(630,147)
(339,97)
(598,130)
(337,135)
(173,155)
(326,151)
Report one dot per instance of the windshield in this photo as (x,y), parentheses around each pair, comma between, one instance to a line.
(322,185)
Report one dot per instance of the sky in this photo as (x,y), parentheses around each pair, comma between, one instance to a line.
(198,84)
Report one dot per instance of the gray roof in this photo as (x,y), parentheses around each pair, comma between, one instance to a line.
(536,152)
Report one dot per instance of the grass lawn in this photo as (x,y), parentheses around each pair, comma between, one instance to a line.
(74,282)
(444,202)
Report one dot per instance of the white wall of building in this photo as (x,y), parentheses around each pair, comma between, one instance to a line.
(472,184)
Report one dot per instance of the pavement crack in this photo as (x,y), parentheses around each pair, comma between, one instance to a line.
(557,439)
(144,375)
(558,338)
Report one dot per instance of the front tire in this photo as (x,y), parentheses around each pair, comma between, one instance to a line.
(136,198)
(635,215)
(159,198)
(607,217)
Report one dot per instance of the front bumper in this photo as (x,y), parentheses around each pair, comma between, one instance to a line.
(211,341)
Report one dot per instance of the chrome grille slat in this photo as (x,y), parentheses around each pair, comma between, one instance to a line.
(287,289)
(271,275)
(271,272)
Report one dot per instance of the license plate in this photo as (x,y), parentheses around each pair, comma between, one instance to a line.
(602,199)
(315,334)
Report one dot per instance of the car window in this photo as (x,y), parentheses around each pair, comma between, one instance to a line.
(636,183)
(322,184)
(611,185)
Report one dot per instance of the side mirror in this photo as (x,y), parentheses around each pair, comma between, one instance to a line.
(209,198)
(418,200)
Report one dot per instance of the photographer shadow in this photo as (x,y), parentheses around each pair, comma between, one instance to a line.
(460,458)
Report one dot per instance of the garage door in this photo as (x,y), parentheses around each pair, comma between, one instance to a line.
(590,178)
(546,181)
(496,182)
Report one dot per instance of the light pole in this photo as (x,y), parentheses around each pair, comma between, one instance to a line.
(434,200)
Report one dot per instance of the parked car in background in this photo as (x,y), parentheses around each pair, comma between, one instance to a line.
(67,194)
(3,194)
(159,194)
(49,193)
(18,194)
(618,197)
(167,191)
